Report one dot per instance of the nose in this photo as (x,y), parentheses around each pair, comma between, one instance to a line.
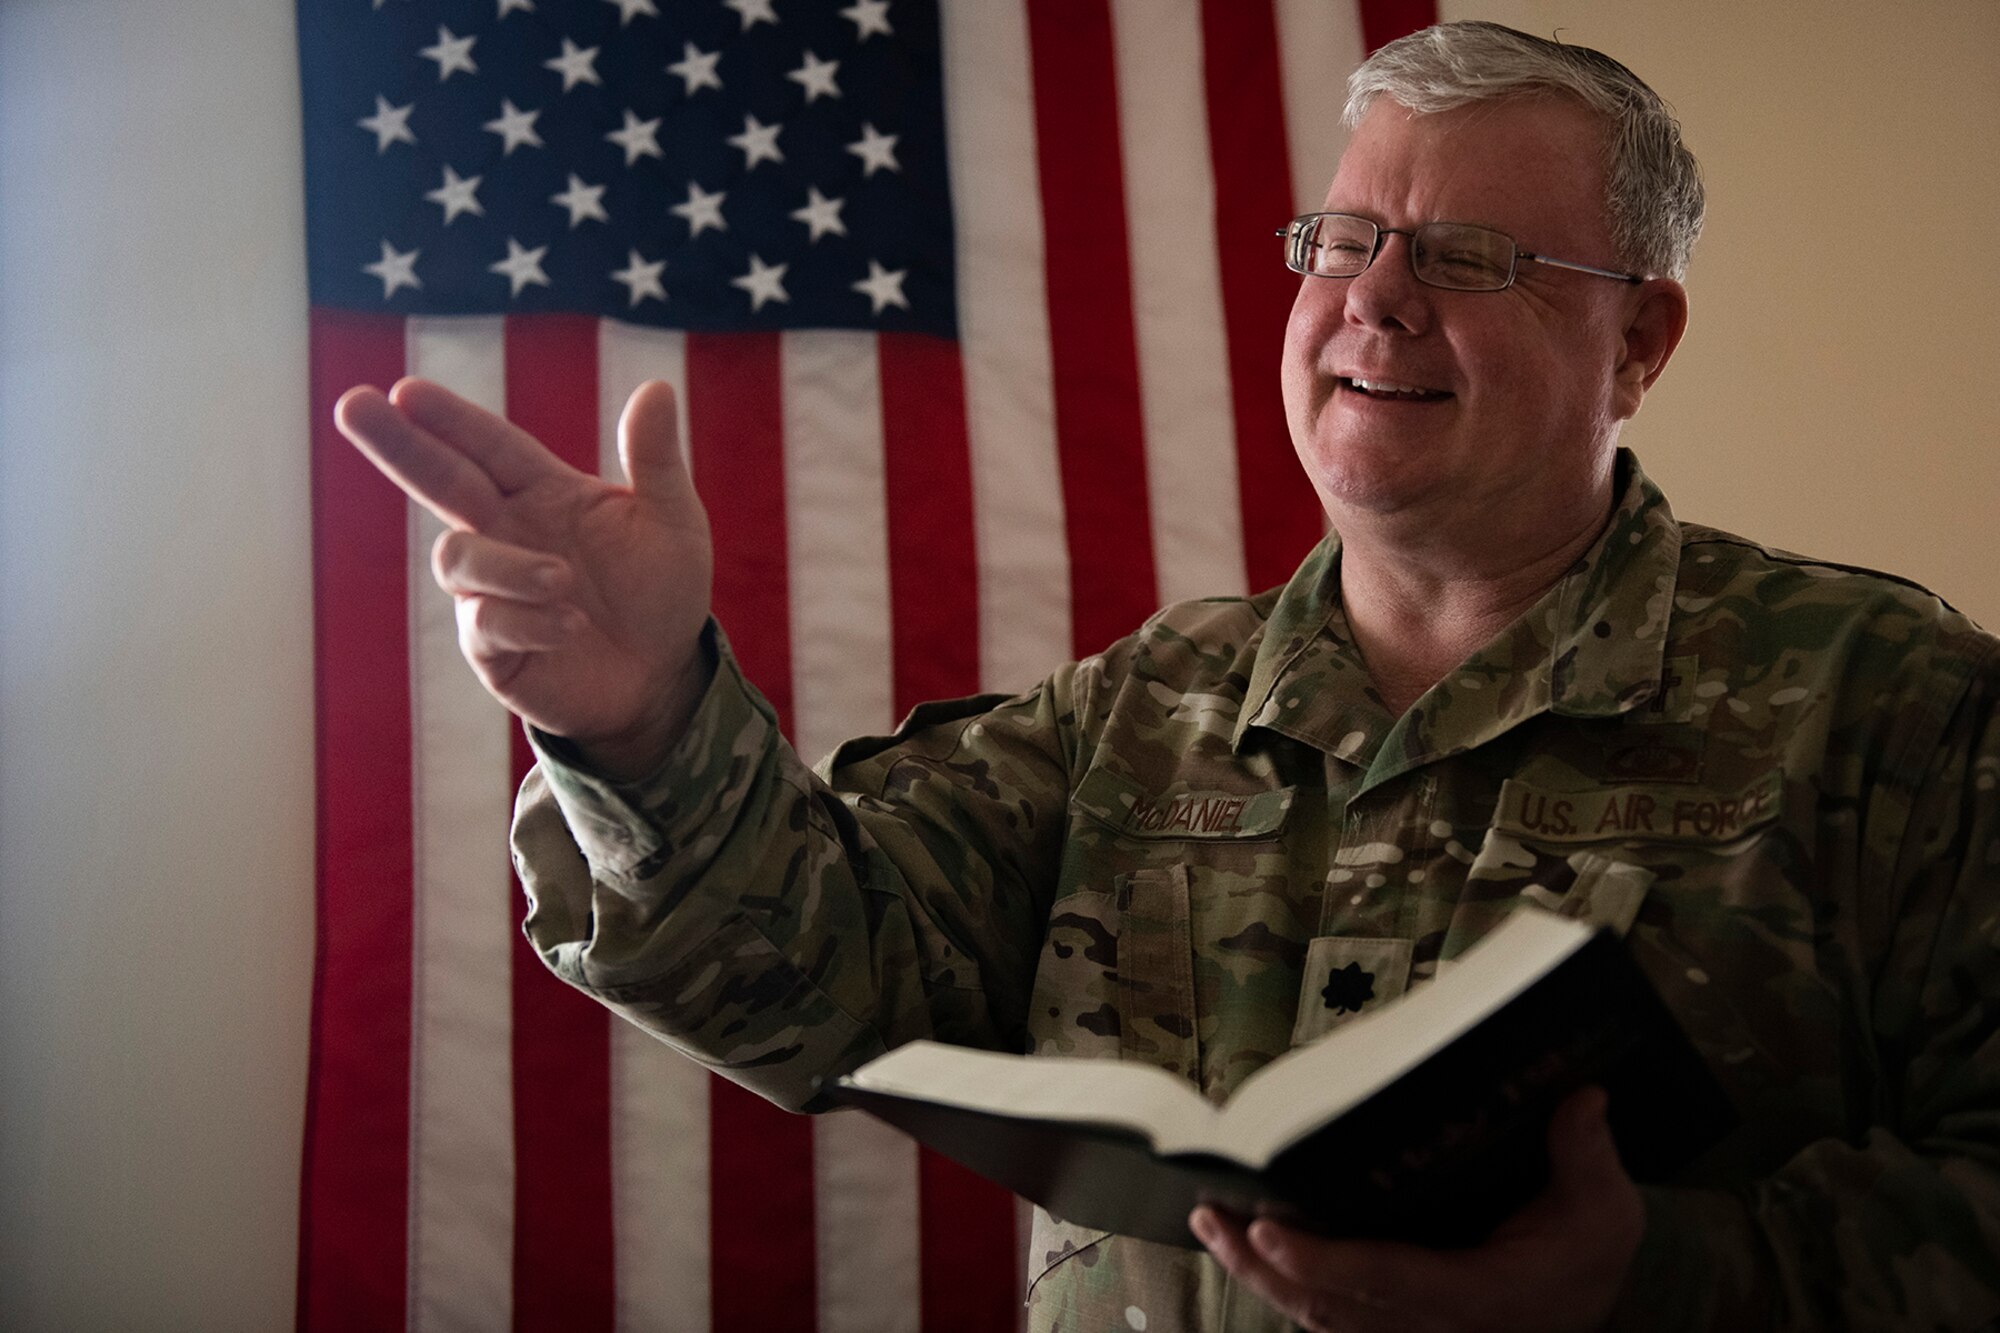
(1386,295)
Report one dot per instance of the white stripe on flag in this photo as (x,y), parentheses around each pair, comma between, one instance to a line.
(865,1211)
(659,1185)
(461,1125)
(1318,43)
(1024,616)
(837,525)
(1177,301)
(659,1098)
(864,1175)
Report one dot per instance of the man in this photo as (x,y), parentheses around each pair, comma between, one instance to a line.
(1511,676)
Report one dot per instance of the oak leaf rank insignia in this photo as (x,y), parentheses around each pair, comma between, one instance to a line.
(1348,988)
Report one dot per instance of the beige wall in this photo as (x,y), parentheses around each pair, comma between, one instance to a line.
(1838,390)
(155,724)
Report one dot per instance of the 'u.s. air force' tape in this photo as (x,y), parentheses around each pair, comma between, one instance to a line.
(1664,812)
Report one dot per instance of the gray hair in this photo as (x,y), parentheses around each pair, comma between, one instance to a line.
(1653,202)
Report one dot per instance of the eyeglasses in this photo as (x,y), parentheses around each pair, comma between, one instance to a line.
(1454,255)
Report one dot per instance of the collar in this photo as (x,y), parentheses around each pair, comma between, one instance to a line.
(1592,646)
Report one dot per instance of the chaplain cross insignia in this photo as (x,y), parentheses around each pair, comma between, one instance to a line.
(1349,988)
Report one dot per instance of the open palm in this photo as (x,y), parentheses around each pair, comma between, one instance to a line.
(580,602)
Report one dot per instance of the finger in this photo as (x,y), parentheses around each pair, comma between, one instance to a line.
(470,563)
(1590,1193)
(649,442)
(1309,1306)
(429,471)
(1376,1275)
(509,455)
(490,628)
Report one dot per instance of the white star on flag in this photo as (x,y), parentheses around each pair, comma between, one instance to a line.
(696,68)
(391,124)
(451,53)
(752,11)
(522,267)
(883,287)
(758,141)
(630,9)
(816,77)
(395,268)
(821,214)
(515,127)
(638,138)
(582,201)
(702,210)
(509,6)
(576,65)
(876,150)
(764,282)
(641,277)
(868,16)
(457,195)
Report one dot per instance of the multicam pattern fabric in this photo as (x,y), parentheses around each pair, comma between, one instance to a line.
(1212,841)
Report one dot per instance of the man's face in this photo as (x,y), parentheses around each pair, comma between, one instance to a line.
(1519,397)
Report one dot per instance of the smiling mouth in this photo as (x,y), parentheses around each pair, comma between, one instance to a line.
(1389,391)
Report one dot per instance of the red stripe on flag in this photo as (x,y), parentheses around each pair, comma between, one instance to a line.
(1383,21)
(1253,198)
(762,1258)
(736,447)
(762,1250)
(563,1260)
(970,1278)
(353,1227)
(1094,350)
(933,564)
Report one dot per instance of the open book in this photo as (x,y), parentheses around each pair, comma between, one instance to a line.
(1423,1120)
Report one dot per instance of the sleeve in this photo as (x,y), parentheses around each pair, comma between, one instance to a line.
(781,926)
(1899,1229)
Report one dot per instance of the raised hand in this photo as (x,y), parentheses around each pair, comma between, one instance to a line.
(580,603)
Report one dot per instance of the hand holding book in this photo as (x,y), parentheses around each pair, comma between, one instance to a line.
(1424,1121)
(1556,1265)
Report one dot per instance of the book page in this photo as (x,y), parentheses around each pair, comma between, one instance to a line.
(1140,1097)
(1291,1095)
(1315,1083)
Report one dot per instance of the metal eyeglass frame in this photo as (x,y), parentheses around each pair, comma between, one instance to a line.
(1382,234)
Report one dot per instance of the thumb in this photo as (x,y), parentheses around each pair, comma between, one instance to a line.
(1582,1153)
(649,442)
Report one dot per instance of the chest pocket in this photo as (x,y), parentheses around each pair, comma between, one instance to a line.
(1662,814)
(1116,976)
(1121,967)
(1596,854)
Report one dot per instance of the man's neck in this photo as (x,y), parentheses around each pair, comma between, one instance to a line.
(1417,614)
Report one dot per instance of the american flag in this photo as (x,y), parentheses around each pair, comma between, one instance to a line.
(974,312)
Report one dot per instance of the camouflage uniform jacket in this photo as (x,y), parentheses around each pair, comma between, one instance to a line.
(1777,775)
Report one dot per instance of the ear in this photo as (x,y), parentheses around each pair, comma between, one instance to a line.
(1656,316)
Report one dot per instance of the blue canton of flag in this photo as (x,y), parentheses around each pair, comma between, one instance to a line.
(698,164)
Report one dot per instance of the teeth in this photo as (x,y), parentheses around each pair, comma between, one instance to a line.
(1383,386)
